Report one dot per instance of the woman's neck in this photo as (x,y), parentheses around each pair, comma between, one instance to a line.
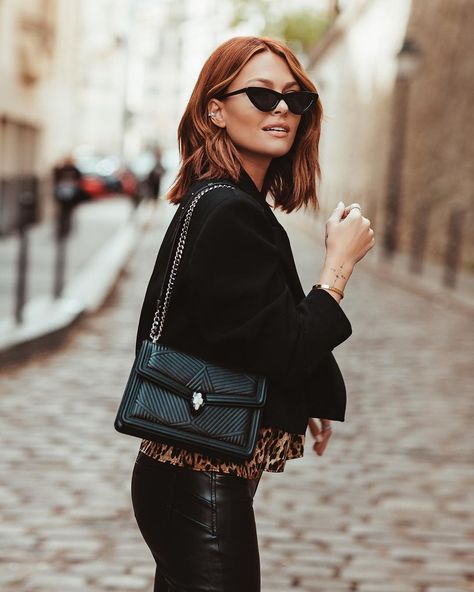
(256,170)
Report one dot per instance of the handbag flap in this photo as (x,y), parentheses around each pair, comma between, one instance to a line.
(187,374)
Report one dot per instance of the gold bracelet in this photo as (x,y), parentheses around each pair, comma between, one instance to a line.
(328,287)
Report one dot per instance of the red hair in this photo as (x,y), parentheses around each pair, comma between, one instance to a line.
(208,153)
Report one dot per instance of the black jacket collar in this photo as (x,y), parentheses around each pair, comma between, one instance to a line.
(244,182)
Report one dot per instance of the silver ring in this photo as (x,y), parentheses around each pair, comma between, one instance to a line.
(355,206)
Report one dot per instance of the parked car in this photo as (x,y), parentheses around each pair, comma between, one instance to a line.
(106,176)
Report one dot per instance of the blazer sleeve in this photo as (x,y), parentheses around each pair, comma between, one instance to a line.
(242,304)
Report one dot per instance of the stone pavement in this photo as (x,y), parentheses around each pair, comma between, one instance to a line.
(387,508)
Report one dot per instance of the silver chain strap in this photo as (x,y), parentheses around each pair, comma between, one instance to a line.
(157,321)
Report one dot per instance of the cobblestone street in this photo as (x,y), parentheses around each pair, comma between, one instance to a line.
(388,508)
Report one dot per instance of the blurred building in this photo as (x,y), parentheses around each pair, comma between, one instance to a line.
(108,77)
(139,60)
(396,81)
(38,73)
(102,59)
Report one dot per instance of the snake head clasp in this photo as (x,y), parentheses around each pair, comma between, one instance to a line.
(197,401)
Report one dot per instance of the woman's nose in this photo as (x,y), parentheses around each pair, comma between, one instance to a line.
(282,106)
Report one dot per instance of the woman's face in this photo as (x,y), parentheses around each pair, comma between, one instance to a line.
(245,123)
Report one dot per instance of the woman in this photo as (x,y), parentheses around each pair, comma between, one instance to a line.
(237,299)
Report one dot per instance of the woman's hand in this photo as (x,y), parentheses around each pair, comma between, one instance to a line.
(321,434)
(349,235)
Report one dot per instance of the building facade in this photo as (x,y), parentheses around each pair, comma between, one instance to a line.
(37,69)
(396,81)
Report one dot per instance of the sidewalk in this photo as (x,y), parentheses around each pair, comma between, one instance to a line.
(103,235)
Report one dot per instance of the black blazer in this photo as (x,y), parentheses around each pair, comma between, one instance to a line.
(238,301)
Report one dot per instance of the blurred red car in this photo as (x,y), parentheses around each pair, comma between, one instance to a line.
(93,185)
(105,177)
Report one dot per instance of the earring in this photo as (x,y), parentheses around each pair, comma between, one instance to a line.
(211,114)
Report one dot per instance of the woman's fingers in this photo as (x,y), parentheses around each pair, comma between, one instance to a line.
(320,447)
(337,212)
(321,434)
(314,428)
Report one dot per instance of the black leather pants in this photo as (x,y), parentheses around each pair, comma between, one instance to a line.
(199,526)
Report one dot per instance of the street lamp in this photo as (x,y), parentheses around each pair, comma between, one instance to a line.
(409,58)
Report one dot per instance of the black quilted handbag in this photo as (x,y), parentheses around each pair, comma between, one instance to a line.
(174,397)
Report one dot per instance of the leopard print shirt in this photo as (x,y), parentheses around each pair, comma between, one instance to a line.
(274,447)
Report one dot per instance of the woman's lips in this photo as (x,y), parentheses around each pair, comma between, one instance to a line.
(276,134)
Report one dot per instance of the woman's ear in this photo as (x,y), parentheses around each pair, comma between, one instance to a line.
(214,113)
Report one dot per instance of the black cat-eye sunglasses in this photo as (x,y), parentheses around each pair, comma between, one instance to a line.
(266,99)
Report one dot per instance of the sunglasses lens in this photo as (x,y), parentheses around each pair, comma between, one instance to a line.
(299,102)
(262,98)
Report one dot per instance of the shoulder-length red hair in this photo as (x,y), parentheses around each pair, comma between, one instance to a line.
(208,153)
